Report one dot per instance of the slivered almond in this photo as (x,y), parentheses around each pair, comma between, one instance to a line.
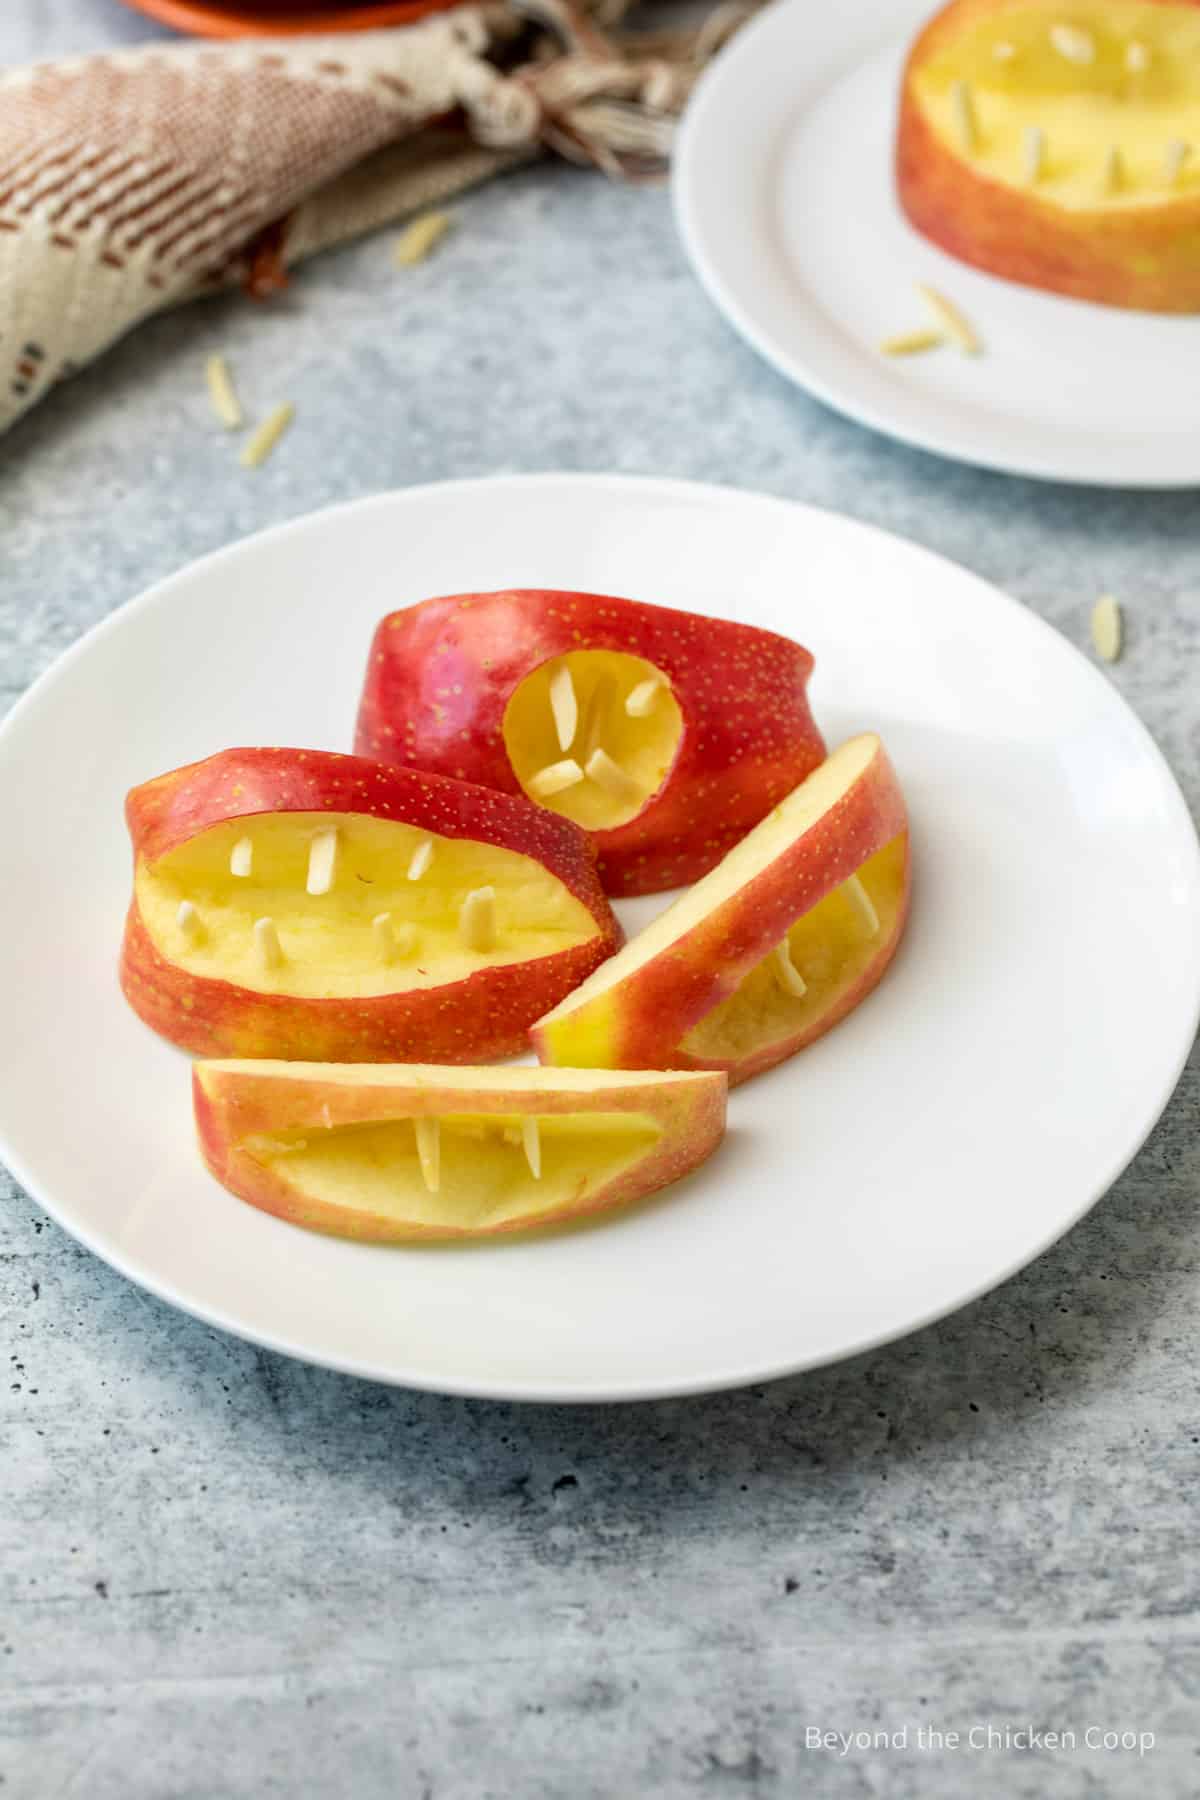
(555,777)
(610,776)
(564,706)
(418,239)
(595,714)
(953,322)
(531,1143)
(1175,156)
(1071,41)
(863,905)
(190,923)
(1034,152)
(965,122)
(641,700)
(392,941)
(1108,628)
(1137,58)
(421,858)
(322,861)
(477,919)
(261,442)
(785,971)
(221,392)
(429,1151)
(266,944)
(241,857)
(911,343)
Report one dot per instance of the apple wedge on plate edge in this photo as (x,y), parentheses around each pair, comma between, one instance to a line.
(774,946)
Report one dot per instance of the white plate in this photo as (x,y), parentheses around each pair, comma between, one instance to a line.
(785,200)
(1001,1077)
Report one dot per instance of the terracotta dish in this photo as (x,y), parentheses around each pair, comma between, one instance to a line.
(255,18)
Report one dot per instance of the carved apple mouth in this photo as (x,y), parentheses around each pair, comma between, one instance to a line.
(805,977)
(1087,106)
(338,905)
(459,1171)
(593,735)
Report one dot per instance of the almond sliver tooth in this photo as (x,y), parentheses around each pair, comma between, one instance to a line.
(610,776)
(266,944)
(477,920)
(555,777)
(190,923)
(241,857)
(786,973)
(429,1151)
(531,1143)
(640,701)
(966,124)
(1073,42)
(564,705)
(595,716)
(322,861)
(1137,58)
(422,856)
(1177,153)
(1107,628)
(863,905)
(1035,153)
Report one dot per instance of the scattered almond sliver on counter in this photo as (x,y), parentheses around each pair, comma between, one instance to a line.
(911,343)
(953,322)
(261,443)
(1107,628)
(415,244)
(221,392)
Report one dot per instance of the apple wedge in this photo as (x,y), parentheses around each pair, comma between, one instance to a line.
(389,1153)
(663,734)
(303,904)
(1060,147)
(777,944)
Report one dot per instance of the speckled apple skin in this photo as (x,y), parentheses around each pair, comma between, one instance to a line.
(1146,258)
(663,1000)
(232,1105)
(483,1016)
(441,674)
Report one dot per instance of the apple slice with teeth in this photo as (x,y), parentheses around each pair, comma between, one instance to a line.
(663,734)
(304,904)
(774,946)
(387,1153)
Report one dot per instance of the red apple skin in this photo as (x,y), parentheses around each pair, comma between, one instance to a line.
(673,992)
(441,673)
(234,1103)
(485,1015)
(1146,258)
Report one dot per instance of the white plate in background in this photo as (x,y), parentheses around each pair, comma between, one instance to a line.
(785,201)
(1010,1064)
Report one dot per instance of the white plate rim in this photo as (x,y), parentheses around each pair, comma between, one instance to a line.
(1154,470)
(159,594)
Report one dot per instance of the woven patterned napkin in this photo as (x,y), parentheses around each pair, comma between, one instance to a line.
(135,180)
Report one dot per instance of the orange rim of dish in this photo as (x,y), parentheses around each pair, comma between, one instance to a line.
(224,22)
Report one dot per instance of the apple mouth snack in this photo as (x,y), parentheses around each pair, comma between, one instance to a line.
(767,952)
(665,735)
(1058,146)
(389,1154)
(305,904)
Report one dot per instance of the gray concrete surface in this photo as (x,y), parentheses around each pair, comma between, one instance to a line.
(225,1576)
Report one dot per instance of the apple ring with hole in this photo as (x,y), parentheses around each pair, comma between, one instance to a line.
(298,903)
(1059,146)
(663,734)
(780,941)
(389,1154)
